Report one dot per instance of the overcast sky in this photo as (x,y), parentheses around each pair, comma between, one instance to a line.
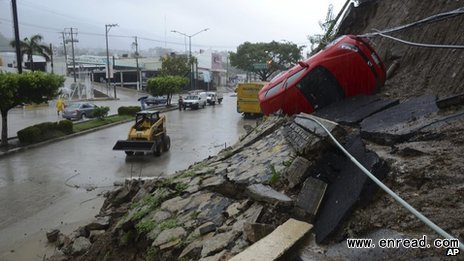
(230,22)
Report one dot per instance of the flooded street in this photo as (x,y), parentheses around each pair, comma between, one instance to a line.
(57,185)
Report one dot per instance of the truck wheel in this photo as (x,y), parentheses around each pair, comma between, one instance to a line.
(219,101)
(129,153)
(166,143)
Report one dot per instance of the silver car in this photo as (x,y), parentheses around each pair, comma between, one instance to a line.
(79,110)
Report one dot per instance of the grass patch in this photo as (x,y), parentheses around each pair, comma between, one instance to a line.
(181,187)
(151,253)
(275,177)
(148,204)
(145,226)
(168,223)
(81,126)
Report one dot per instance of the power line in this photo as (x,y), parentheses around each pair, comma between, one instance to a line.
(430,19)
(445,46)
(58,31)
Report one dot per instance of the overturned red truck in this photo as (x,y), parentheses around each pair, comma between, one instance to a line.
(348,66)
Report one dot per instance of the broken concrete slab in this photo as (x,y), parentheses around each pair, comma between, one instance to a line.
(351,187)
(311,195)
(300,139)
(297,171)
(441,121)
(353,110)
(400,122)
(454,100)
(263,193)
(305,135)
(277,243)
(308,122)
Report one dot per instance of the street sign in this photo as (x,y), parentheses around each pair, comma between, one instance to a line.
(260,66)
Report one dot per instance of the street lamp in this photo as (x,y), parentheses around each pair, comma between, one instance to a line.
(107,29)
(190,51)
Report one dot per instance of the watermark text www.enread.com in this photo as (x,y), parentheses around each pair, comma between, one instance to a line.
(450,246)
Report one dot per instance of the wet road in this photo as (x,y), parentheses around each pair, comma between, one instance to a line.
(43,187)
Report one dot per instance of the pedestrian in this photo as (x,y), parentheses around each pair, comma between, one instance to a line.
(181,102)
(59,106)
(142,102)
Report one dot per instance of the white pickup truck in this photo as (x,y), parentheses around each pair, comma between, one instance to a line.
(213,97)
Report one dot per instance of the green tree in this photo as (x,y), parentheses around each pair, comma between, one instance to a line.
(33,46)
(175,65)
(275,56)
(166,85)
(18,89)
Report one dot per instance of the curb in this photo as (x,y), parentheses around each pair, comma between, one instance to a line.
(46,142)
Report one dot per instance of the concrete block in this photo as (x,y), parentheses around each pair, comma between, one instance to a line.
(311,195)
(297,171)
(276,244)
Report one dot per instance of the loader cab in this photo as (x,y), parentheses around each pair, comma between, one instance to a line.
(145,119)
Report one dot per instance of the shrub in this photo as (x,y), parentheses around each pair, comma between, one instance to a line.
(29,134)
(128,110)
(46,126)
(101,112)
(66,126)
(44,131)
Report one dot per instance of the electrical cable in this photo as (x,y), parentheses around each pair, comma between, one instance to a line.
(405,204)
(443,46)
(430,19)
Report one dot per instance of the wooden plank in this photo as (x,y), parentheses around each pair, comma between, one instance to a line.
(277,243)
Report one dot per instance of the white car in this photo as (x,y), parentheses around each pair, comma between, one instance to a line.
(195,101)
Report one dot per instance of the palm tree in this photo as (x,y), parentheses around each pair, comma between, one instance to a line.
(33,46)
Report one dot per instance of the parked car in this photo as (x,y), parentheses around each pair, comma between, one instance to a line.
(155,100)
(79,110)
(346,67)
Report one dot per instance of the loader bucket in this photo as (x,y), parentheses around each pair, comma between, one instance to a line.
(135,145)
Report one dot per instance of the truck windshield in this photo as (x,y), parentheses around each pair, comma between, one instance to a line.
(191,97)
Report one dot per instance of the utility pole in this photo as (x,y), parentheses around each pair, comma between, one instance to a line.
(65,54)
(107,29)
(72,49)
(51,57)
(139,84)
(19,57)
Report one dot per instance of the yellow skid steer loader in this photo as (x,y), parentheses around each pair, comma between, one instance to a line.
(148,134)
